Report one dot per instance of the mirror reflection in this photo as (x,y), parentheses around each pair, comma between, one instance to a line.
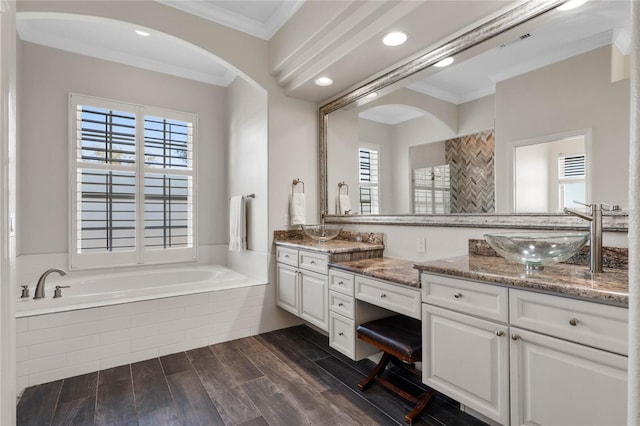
(534,119)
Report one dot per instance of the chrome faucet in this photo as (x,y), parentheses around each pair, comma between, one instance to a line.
(40,286)
(595,230)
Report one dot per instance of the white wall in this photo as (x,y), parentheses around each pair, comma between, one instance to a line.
(567,96)
(477,115)
(378,135)
(46,76)
(532,178)
(343,140)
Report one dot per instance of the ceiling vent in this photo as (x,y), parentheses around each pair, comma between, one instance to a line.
(517,40)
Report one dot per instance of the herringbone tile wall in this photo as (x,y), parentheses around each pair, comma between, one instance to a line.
(470,160)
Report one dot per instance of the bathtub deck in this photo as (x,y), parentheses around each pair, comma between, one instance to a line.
(286,377)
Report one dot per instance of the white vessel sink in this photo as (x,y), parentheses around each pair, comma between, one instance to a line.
(537,249)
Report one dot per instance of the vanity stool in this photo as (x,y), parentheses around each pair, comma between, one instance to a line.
(400,339)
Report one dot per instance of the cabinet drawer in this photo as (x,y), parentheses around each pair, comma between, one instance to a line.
(341,282)
(403,300)
(287,255)
(342,334)
(315,262)
(590,323)
(484,300)
(342,304)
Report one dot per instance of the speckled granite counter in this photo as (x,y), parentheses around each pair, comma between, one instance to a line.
(393,270)
(346,247)
(611,286)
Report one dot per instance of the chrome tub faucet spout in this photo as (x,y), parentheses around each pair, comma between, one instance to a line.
(40,286)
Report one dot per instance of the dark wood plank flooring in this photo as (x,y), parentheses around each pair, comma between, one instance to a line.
(286,377)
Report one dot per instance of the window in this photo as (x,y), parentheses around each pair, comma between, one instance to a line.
(571,180)
(431,190)
(133,180)
(369,190)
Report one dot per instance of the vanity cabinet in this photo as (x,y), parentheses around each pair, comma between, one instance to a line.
(302,285)
(524,358)
(465,343)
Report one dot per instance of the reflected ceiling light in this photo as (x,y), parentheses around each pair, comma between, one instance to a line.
(394,38)
(371,95)
(142,33)
(444,62)
(323,81)
(571,4)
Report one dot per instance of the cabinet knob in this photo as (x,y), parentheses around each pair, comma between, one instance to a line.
(499,333)
(341,334)
(457,295)
(340,304)
(515,337)
(382,296)
(573,322)
(340,283)
(313,262)
(286,256)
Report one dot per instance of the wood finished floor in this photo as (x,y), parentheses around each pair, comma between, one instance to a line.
(286,377)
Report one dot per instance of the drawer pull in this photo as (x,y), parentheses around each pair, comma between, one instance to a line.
(286,256)
(313,262)
(341,304)
(340,283)
(382,296)
(499,333)
(573,322)
(515,337)
(341,334)
(457,295)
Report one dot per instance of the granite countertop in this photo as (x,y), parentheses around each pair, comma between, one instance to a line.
(610,286)
(331,246)
(397,271)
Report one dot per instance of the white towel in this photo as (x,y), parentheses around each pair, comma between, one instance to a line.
(237,224)
(297,209)
(344,203)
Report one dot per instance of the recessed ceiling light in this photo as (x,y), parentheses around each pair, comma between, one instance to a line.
(571,4)
(394,38)
(444,62)
(142,33)
(324,81)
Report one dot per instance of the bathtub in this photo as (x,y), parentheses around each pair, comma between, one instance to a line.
(110,289)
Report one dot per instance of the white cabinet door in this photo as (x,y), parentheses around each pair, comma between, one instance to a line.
(467,358)
(287,291)
(555,382)
(314,294)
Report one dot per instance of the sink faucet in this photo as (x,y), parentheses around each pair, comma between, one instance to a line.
(40,286)
(595,230)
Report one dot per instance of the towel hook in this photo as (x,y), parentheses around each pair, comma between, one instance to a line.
(340,185)
(295,182)
(250,196)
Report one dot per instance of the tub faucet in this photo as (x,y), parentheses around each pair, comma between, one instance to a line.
(40,286)
(595,230)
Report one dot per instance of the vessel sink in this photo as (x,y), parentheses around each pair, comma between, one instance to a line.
(537,249)
(322,233)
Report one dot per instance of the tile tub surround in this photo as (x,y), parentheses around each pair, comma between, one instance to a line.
(612,257)
(610,286)
(397,271)
(55,346)
(345,247)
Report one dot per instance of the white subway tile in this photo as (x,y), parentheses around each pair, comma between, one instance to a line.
(129,358)
(128,335)
(21,383)
(39,336)
(198,310)
(63,318)
(22,324)
(63,373)
(182,301)
(183,346)
(229,335)
(198,332)
(41,364)
(98,352)
(127,309)
(157,317)
(22,354)
(185,323)
(157,341)
(62,346)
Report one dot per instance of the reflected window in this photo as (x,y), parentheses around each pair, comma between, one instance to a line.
(432,190)
(369,181)
(572,184)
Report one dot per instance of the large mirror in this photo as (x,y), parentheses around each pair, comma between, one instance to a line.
(532,115)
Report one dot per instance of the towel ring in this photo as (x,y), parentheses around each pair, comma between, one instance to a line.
(296,182)
(340,185)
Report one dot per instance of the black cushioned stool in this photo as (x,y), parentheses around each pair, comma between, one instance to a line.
(400,339)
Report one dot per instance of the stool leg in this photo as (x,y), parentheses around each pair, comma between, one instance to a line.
(364,384)
(417,410)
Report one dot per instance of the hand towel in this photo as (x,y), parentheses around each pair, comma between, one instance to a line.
(297,209)
(345,204)
(237,224)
